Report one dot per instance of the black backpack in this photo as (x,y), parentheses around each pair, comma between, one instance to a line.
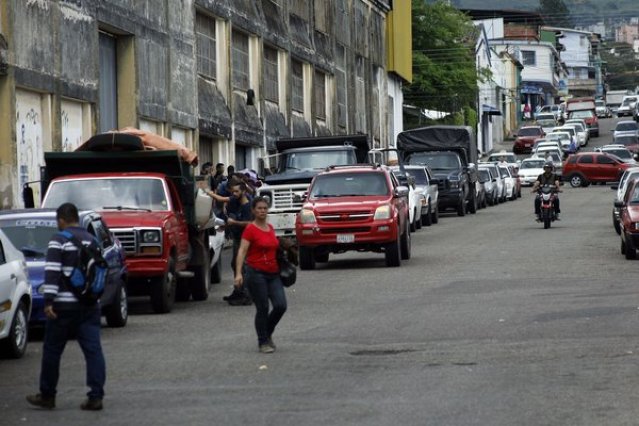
(88,278)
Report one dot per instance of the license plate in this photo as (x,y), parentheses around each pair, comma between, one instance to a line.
(345,238)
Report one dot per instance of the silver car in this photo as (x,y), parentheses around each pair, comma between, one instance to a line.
(429,188)
(626,128)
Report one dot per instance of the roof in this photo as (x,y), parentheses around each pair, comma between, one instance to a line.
(509,15)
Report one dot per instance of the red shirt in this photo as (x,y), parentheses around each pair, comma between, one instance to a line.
(262,253)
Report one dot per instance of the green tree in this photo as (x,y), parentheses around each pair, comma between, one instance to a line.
(444,68)
(555,13)
(621,66)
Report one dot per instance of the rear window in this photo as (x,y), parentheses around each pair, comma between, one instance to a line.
(582,114)
(529,131)
(629,126)
(350,184)
(602,159)
(586,159)
(621,153)
(484,176)
(419,175)
(536,164)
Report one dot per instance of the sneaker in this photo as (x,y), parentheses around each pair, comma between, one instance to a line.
(41,401)
(242,301)
(92,405)
(270,343)
(266,349)
(233,296)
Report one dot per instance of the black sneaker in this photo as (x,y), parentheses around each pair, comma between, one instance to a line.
(270,343)
(92,405)
(236,294)
(266,349)
(242,301)
(41,401)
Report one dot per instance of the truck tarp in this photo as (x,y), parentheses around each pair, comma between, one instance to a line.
(360,142)
(439,138)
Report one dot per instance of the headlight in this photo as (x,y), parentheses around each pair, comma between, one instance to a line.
(150,237)
(454,184)
(41,289)
(636,226)
(268,197)
(382,212)
(307,216)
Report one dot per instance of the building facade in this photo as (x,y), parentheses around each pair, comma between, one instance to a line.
(224,77)
(627,33)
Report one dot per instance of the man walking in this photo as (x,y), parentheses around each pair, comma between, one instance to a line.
(66,316)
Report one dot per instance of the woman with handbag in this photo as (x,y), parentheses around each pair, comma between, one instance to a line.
(261,274)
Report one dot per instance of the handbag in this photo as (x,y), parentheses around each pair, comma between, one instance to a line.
(288,271)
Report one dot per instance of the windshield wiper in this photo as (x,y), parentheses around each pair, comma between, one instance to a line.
(125,208)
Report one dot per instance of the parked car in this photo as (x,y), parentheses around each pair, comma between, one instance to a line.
(362,208)
(499,181)
(539,143)
(589,117)
(627,177)
(631,142)
(574,139)
(30,231)
(526,137)
(509,157)
(490,187)
(414,198)
(619,151)
(15,300)
(602,110)
(216,246)
(530,170)
(510,180)
(553,109)
(550,153)
(589,167)
(428,186)
(626,128)
(628,219)
(583,135)
(627,105)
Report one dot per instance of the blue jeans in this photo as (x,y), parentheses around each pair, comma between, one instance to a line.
(84,323)
(264,287)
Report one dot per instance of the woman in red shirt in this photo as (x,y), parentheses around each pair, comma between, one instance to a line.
(259,247)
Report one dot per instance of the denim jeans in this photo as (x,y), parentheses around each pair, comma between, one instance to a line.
(84,323)
(264,287)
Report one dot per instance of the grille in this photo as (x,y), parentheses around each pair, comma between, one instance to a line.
(346,217)
(345,230)
(442,184)
(127,238)
(286,199)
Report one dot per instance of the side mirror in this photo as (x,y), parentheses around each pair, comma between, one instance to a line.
(434,182)
(27,197)
(401,191)
(619,204)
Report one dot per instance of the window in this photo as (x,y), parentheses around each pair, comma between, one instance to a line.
(271,75)
(340,79)
(240,55)
(529,57)
(602,159)
(297,93)
(360,95)
(320,95)
(108,84)
(206,45)
(242,157)
(586,159)
(321,15)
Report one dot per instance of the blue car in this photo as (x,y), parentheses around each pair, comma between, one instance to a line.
(30,232)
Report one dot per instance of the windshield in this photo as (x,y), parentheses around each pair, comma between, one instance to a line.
(621,153)
(509,158)
(436,160)
(350,184)
(100,194)
(545,117)
(529,131)
(557,136)
(629,126)
(504,172)
(484,176)
(570,130)
(628,101)
(627,140)
(600,103)
(31,236)
(536,164)
(635,195)
(419,175)
(579,126)
(319,159)
(582,114)
(546,123)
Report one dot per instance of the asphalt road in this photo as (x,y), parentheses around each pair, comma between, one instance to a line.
(494,321)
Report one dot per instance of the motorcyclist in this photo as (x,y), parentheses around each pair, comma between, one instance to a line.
(547,178)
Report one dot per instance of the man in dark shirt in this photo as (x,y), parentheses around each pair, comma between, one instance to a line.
(66,316)
(218,177)
(547,178)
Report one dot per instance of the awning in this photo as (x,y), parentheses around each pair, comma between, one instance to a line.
(490,110)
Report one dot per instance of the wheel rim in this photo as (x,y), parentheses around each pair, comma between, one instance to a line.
(20,330)
(575,181)
(124,306)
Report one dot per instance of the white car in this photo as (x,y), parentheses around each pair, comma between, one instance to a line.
(508,157)
(530,170)
(490,186)
(553,155)
(573,133)
(216,245)
(509,182)
(582,130)
(627,105)
(414,199)
(499,181)
(15,300)
(619,151)
(626,128)
(429,191)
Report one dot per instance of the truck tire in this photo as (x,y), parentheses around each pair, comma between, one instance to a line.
(435,215)
(201,281)
(15,344)
(392,252)
(321,257)
(630,252)
(307,258)
(163,290)
(418,220)
(117,313)
(461,207)
(615,224)
(405,244)
(427,219)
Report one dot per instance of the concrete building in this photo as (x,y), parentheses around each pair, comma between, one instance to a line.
(627,33)
(225,77)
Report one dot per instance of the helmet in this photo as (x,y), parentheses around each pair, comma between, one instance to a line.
(549,164)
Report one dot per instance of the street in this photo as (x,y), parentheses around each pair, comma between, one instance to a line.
(493,321)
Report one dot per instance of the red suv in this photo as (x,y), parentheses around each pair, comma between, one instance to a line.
(359,208)
(526,137)
(582,169)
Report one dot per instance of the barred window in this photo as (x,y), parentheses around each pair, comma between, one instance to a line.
(297,93)
(340,83)
(529,57)
(205,45)
(240,60)
(271,75)
(320,94)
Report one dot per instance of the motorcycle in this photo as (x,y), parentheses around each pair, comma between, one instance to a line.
(547,195)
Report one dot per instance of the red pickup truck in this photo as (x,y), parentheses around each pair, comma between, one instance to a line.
(147,199)
(360,208)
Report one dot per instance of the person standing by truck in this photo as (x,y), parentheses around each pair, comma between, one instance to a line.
(66,315)
(259,247)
